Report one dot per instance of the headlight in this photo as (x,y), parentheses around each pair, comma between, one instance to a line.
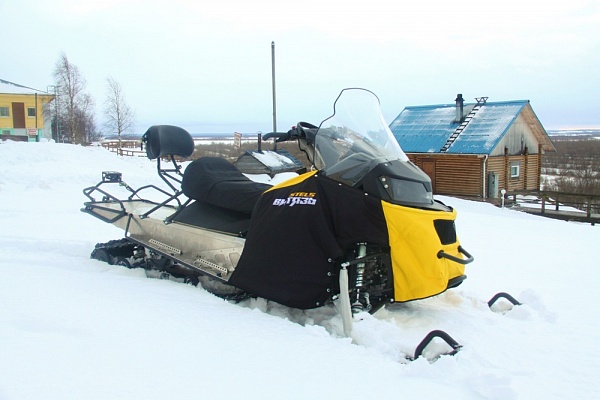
(405,191)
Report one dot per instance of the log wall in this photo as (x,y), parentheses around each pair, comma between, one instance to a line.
(462,174)
(454,174)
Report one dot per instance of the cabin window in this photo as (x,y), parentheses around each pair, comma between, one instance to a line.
(31,111)
(4,112)
(515,169)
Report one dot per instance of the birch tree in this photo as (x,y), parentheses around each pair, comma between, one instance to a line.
(76,103)
(119,116)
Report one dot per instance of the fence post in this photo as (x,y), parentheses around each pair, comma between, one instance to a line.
(543,203)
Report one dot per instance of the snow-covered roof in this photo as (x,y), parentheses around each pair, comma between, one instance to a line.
(273,159)
(8,87)
(279,160)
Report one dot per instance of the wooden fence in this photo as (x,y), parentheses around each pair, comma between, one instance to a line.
(558,205)
(128,148)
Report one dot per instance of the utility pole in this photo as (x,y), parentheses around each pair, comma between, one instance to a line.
(56,134)
(274,97)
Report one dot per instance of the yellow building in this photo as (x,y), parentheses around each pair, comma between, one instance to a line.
(22,114)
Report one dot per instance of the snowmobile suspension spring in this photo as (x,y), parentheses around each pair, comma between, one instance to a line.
(357,305)
(360,267)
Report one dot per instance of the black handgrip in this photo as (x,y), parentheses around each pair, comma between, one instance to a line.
(279,135)
(302,130)
(450,257)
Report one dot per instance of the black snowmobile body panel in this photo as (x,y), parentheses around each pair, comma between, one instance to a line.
(300,270)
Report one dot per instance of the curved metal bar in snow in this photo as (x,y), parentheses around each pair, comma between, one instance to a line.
(432,335)
(503,295)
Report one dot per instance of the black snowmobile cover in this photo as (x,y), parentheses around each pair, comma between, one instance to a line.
(297,230)
(218,182)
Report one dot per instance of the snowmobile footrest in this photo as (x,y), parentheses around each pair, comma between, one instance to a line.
(437,334)
(503,295)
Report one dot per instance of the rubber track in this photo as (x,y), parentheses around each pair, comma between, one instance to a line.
(116,248)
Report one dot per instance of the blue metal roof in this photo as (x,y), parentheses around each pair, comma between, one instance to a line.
(425,129)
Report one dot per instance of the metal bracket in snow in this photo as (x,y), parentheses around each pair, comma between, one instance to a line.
(454,345)
(503,295)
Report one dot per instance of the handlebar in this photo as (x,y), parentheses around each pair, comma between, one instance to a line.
(302,130)
(280,136)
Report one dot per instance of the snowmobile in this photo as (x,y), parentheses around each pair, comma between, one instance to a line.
(361,229)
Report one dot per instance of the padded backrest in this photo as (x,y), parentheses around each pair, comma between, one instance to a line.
(166,140)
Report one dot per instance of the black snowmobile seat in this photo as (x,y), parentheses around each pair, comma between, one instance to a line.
(215,218)
(218,182)
(167,140)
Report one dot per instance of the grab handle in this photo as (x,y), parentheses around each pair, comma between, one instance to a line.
(450,257)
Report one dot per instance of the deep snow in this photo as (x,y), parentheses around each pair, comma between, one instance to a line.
(76,328)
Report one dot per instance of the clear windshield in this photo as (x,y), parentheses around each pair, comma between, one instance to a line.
(357,131)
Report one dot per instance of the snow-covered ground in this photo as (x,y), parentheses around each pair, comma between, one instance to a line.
(76,328)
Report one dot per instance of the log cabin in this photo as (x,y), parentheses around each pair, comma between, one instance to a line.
(475,149)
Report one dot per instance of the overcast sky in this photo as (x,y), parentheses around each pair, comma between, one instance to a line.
(206,66)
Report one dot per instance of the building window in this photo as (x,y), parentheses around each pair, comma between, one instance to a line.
(4,112)
(515,169)
(31,111)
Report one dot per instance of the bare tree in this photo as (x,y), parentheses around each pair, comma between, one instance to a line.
(78,106)
(119,116)
(86,120)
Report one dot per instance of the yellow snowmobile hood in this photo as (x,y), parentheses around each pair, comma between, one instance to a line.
(416,237)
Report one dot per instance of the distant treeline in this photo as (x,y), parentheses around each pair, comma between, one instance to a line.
(224,135)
